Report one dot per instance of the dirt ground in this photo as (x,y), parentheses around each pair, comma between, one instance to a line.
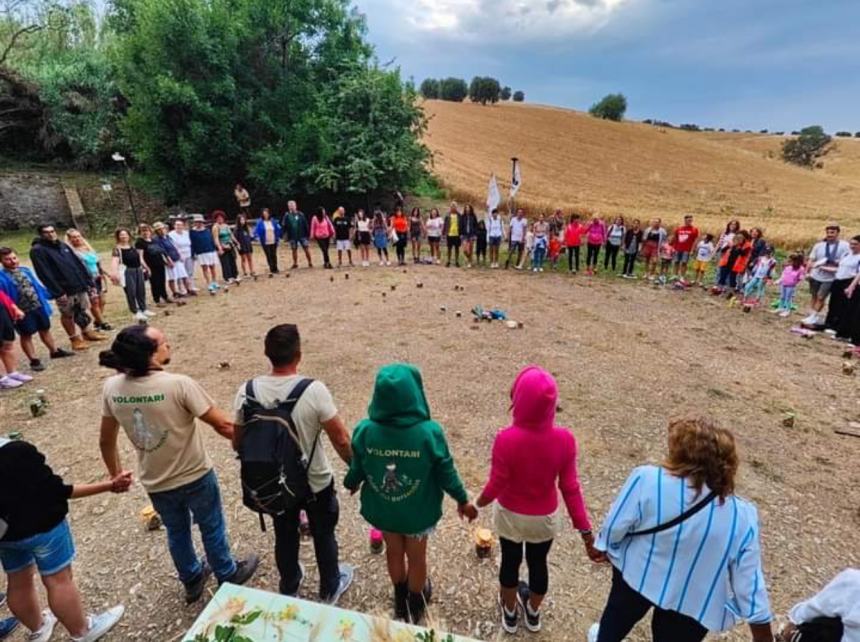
(626,356)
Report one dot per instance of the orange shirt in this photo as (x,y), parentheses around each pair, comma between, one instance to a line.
(400,223)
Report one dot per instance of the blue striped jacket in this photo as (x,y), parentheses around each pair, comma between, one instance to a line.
(708,567)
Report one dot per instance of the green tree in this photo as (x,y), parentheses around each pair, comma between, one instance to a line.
(805,150)
(505,93)
(519,96)
(484,90)
(430,88)
(453,89)
(610,107)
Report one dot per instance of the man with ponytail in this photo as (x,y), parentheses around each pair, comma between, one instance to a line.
(158,412)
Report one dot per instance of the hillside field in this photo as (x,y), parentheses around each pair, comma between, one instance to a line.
(572,160)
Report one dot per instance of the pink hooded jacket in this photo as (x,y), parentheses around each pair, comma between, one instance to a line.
(533,454)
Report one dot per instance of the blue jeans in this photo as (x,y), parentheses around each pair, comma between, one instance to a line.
(539,254)
(200,500)
(786,299)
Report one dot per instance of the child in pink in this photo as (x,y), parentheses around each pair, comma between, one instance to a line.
(532,459)
(792,274)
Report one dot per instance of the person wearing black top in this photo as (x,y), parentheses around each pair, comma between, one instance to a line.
(129,271)
(156,261)
(244,236)
(468,232)
(342,234)
(34,533)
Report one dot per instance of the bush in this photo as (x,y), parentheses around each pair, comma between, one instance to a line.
(795,133)
(610,107)
(506,93)
(844,134)
(484,90)
(453,89)
(805,150)
(762,131)
(779,133)
(857,135)
(690,127)
(430,88)
(648,121)
(519,97)
(722,129)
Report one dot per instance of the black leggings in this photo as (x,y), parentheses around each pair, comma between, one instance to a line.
(324,243)
(592,256)
(400,246)
(625,607)
(611,256)
(629,264)
(512,558)
(157,280)
(271,252)
(228,264)
(573,258)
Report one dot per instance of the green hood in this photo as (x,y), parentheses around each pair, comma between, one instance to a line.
(398,397)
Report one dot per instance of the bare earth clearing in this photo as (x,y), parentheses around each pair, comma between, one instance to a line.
(626,357)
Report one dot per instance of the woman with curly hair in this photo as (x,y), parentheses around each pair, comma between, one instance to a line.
(681,542)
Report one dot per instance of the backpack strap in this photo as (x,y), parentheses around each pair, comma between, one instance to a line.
(687,514)
(289,405)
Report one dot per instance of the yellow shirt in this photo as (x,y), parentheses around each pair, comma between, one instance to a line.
(454,225)
(158,413)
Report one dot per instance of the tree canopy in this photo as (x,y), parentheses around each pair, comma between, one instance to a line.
(610,107)
(484,89)
(805,150)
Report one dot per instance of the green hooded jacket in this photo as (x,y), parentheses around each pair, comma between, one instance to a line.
(401,458)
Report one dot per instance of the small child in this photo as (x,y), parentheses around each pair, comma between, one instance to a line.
(554,251)
(530,246)
(402,464)
(793,274)
(761,274)
(667,255)
(705,250)
(481,244)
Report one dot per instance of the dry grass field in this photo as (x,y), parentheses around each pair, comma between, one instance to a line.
(570,159)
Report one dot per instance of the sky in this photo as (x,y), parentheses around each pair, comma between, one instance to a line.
(746,64)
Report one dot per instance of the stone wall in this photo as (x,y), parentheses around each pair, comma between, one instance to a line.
(30,199)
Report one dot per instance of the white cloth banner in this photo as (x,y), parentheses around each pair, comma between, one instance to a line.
(493,195)
(517,180)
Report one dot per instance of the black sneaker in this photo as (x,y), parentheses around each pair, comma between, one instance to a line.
(532,618)
(244,570)
(194,589)
(510,620)
(36,365)
(59,353)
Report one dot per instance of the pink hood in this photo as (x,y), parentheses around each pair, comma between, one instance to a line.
(534,398)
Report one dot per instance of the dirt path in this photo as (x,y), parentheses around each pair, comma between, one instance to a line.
(626,357)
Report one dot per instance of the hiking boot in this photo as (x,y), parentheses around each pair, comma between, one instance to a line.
(194,589)
(59,353)
(78,343)
(244,570)
(509,619)
(401,596)
(100,624)
(532,618)
(347,574)
(92,335)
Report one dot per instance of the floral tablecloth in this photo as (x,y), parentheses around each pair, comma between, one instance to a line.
(239,614)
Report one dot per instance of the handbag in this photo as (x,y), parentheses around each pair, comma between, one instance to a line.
(687,514)
(120,271)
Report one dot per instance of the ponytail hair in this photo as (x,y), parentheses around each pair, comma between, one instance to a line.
(131,352)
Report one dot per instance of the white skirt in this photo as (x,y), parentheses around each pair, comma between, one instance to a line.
(209,258)
(533,529)
(177,272)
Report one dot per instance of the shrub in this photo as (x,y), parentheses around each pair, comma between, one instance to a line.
(857,135)
(844,134)
(690,127)
(805,150)
(610,107)
(762,131)
(519,97)
(506,93)
(430,88)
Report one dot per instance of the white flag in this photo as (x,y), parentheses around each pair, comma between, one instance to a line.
(517,179)
(493,195)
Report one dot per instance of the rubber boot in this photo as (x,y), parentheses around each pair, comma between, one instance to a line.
(401,597)
(416,606)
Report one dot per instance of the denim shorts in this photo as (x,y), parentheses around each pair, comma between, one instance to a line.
(51,551)
(34,321)
(682,257)
(295,244)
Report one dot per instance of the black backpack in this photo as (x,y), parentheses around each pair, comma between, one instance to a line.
(273,468)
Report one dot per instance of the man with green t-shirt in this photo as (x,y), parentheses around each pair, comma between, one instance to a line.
(297,232)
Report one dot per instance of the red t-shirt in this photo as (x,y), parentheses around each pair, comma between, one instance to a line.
(685,238)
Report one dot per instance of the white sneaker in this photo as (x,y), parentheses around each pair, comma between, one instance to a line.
(149,313)
(25,378)
(388,264)
(347,574)
(811,319)
(140,316)
(593,631)
(8,383)
(100,624)
(44,634)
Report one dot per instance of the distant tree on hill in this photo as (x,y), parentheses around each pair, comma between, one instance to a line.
(453,89)
(610,107)
(795,133)
(691,127)
(519,97)
(484,90)
(430,88)
(762,131)
(856,134)
(506,93)
(805,150)
(844,134)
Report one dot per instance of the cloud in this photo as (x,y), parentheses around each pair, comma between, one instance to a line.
(523,20)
